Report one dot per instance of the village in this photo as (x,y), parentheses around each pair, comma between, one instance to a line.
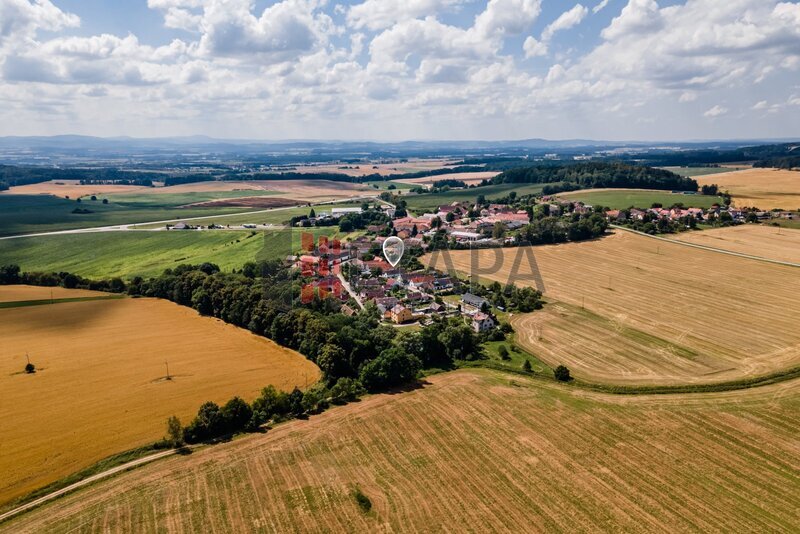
(355,272)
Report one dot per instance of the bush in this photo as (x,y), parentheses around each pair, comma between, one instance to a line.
(362,500)
(562,374)
(503,352)
(526,366)
(346,390)
(30,368)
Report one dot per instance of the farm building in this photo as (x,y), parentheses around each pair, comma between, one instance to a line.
(473,301)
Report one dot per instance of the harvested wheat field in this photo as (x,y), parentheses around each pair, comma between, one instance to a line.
(100,386)
(18,293)
(72,189)
(368,168)
(476,450)
(765,189)
(654,312)
(779,244)
(469,178)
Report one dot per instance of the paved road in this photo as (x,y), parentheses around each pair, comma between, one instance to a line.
(85,482)
(705,247)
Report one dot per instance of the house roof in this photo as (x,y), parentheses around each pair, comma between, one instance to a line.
(473,300)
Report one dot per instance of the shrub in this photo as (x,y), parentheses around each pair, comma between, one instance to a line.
(30,368)
(526,366)
(503,352)
(174,432)
(562,374)
(362,500)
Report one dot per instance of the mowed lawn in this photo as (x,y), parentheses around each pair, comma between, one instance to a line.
(620,199)
(100,386)
(476,451)
(629,309)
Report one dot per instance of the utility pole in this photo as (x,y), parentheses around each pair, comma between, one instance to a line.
(168,377)
(27,357)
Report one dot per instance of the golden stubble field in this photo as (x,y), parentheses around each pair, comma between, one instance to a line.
(469,178)
(305,189)
(781,244)
(99,388)
(629,309)
(17,293)
(476,451)
(765,189)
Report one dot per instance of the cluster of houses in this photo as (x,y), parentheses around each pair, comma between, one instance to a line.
(350,272)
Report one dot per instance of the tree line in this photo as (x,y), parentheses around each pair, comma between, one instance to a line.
(598,174)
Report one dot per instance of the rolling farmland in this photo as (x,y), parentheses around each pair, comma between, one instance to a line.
(100,385)
(620,199)
(554,460)
(627,309)
(754,239)
(765,189)
(21,293)
(429,201)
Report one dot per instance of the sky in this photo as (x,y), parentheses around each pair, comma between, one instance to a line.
(401,69)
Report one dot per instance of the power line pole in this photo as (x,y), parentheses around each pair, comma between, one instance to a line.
(168,377)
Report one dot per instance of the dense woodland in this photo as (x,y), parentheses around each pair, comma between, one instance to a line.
(598,174)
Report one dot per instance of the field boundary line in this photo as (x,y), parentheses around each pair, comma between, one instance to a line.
(706,247)
(44,302)
(85,482)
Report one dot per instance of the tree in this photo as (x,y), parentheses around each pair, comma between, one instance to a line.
(499,230)
(236,414)
(105,201)
(312,214)
(526,366)
(391,368)
(9,274)
(94,197)
(30,368)
(450,217)
(174,432)
(503,352)
(562,374)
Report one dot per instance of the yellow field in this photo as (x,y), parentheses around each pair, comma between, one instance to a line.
(317,190)
(384,169)
(765,189)
(469,178)
(653,312)
(18,293)
(780,244)
(475,451)
(72,189)
(99,388)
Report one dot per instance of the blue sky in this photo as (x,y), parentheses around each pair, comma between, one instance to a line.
(401,69)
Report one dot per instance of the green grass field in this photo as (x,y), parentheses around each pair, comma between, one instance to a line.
(429,201)
(142,253)
(383,185)
(22,214)
(250,216)
(625,198)
(173,200)
(701,171)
